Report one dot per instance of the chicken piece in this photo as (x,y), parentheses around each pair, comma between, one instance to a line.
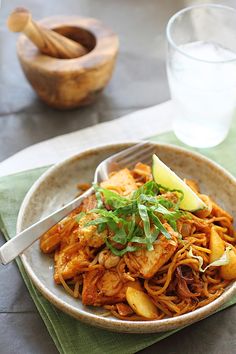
(50,240)
(59,234)
(227,220)
(121,182)
(88,235)
(142,173)
(88,203)
(69,262)
(147,263)
(104,287)
(143,170)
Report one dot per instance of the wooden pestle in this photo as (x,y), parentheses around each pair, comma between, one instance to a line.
(48,41)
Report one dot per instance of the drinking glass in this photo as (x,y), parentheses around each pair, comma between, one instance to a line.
(201,69)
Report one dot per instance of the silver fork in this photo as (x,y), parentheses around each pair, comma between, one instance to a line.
(126,158)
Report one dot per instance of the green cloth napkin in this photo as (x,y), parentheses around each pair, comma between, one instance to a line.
(72,336)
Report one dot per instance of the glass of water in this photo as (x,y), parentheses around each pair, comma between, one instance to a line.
(201,68)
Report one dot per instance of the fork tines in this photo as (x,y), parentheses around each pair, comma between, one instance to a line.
(141,152)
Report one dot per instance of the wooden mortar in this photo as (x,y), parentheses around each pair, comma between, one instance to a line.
(70,83)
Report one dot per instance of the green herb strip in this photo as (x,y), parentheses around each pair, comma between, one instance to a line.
(97,221)
(159,225)
(112,199)
(150,188)
(107,214)
(120,253)
(101,228)
(143,212)
(131,227)
(120,234)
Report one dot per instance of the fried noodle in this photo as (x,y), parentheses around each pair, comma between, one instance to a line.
(87,268)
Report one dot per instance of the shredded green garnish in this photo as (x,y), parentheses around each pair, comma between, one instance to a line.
(136,219)
(159,225)
(120,253)
(143,212)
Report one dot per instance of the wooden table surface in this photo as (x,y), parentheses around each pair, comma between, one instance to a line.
(139,81)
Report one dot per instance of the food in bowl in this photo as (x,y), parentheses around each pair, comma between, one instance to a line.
(132,248)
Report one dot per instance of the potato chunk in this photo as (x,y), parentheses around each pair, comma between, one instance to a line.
(228,271)
(217,246)
(141,303)
(68,263)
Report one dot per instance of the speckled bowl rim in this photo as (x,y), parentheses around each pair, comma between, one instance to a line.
(116,324)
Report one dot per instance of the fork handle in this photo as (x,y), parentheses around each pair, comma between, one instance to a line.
(15,246)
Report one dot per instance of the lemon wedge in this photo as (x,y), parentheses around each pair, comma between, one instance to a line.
(163,175)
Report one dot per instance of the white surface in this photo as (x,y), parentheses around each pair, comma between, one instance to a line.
(138,125)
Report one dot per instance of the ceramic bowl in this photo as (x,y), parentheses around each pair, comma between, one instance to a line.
(58,186)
